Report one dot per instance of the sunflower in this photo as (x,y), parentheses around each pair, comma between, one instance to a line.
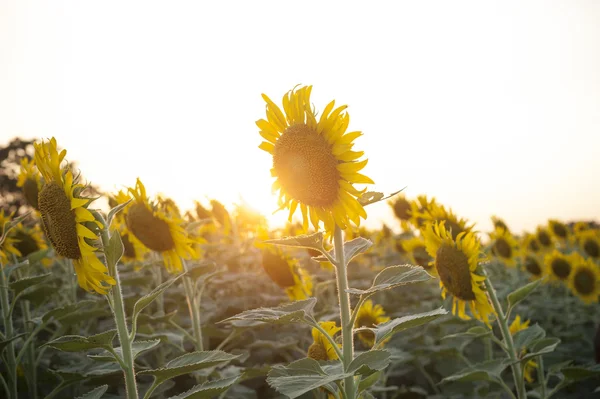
(321,348)
(581,226)
(530,243)
(221,214)
(30,240)
(533,265)
(313,160)
(29,180)
(504,246)
(133,249)
(558,265)
(558,229)
(65,216)
(499,223)
(284,271)
(589,242)
(8,246)
(418,207)
(529,368)
(402,210)
(369,315)
(456,262)
(417,251)
(157,230)
(584,281)
(544,238)
(437,212)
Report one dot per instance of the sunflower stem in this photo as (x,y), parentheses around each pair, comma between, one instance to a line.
(119,314)
(8,333)
(194,307)
(508,340)
(541,378)
(344,298)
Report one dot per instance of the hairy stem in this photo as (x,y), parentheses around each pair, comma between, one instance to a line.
(194,308)
(8,333)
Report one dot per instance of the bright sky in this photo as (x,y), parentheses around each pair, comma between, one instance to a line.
(492,107)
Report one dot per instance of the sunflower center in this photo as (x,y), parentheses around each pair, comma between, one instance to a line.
(306,166)
(128,248)
(454,271)
(401,209)
(532,266)
(59,220)
(585,282)
(544,239)
(560,230)
(534,245)
(591,248)
(26,244)
(561,268)
(31,192)
(503,249)
(152,231)
(278,269)
(366,320)
(317,351)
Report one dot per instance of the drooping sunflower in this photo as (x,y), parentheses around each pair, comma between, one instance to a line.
(584,280)
(222,216)
(529,368)
(64,215)
(369,315)
(157,230)
(313,160)
(456,262)
(133,249)
(533,265)
(417,251)
(558,229)
(558,265)
(321,348)
(8,248)
(402,210)
(29,180)
(544,238)
(499,223)
(504,246)
(285,272)
(438,212)
(589,242)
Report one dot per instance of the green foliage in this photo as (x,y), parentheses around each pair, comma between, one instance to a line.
(96,393)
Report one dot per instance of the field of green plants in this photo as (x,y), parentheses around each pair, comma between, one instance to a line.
(146,300)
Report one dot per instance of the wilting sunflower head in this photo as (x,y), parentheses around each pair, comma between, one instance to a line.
(558,265)
(438,213)
(504,246)
(533,265)
(499,223)
(544,238)
(589,242)
(416,250)
(158,231)
(558,229)
(369,315)
(313,160)
(456,262)
(584,280)
(8,246)
(321,348)
(29,180)
(516,326)
(65,218)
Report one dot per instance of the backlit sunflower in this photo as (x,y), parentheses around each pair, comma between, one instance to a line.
(321,348)
(65,216)
(416,250)
(530,243)
(8,247)
(504,246)
(402,210)
(584,280)
(285,272)
(313,160)
(222,216)
(558,229)
(499,223)
(589,242)
(157,230)
(533,265)
(529,368)
(544,238)
(369,315)
(29,180)
(438,213)
(30,240)
(456,262)
(133,249)
(558,265)
(581,226)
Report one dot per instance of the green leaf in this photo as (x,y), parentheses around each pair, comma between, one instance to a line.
(372,197)
(115,210)
(203,271)
(115,249)
(9,225)
(368,382)
(188,363)
(394,276)
(523,339)
(95,393)
(521,293)
(4,344)
(313,241)
(39,294)
(473,332)
(147,299)
(37,256)
(294,312)
(368,362)
(24,283)
(540,347)
(208,389)
(389,328)
(356,247)
(137,348)
(578,373)
(302,376)
(486,371)
(76,343)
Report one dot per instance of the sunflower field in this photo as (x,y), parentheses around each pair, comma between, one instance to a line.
(146,300)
